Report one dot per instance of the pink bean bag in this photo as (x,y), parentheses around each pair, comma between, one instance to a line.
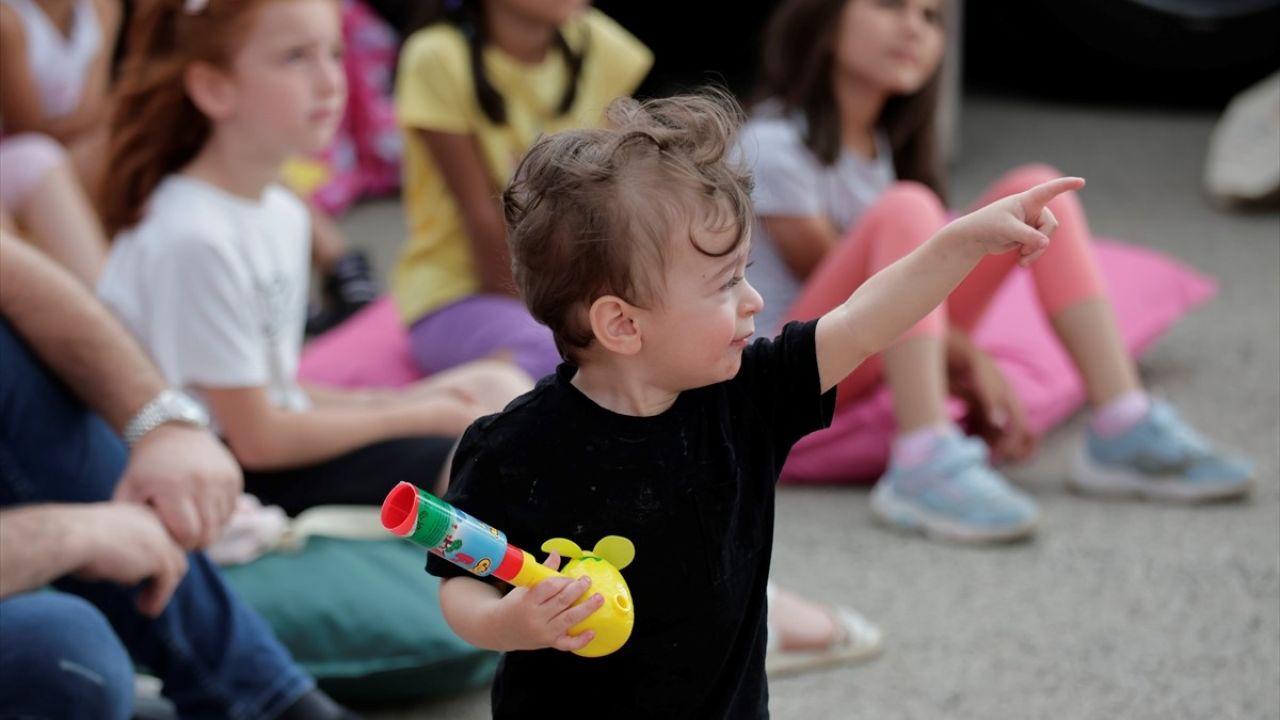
(1148,289)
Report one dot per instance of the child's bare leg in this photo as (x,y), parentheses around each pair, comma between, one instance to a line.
(1088,330)
(915,371)
(60,220)
(327,242)
(805,635)
(801,624)
(88,155)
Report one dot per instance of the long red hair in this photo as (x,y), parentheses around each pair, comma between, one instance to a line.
(155,127)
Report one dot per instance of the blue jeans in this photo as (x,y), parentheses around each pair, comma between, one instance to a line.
(60,659)
(216,656)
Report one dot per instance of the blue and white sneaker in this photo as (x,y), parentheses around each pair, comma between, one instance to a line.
(1161,458)
(955,495)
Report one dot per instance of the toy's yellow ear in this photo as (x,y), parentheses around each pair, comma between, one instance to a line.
(568,549)
(616,549)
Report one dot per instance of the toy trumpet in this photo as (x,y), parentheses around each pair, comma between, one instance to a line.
(416,515)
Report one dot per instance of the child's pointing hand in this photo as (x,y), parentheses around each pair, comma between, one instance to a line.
(1021,221)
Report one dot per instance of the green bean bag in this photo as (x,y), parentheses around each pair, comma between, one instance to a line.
(364,619)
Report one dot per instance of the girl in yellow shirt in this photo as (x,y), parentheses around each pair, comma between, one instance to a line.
(475,88)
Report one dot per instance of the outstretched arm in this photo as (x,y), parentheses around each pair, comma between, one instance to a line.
(898,296)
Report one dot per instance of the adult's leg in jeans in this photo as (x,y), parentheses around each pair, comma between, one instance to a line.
(60,659)
(905,216)
(483,326)
(216,656)
(1069,286)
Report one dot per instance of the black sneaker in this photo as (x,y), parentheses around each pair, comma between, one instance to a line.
(348,288)
(351,283)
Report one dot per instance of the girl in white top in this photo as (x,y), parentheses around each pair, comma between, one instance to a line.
(56,57)
(210,256)
(852,104)
(54,67)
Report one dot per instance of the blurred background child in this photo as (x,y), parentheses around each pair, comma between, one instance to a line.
(848,180)
(475,88)
(208,266)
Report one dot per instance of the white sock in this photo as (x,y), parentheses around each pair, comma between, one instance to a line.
(1120,414)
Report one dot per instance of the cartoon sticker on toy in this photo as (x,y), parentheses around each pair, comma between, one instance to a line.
(484,544)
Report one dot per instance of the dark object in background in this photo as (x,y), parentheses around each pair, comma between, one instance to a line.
(695,42)
(1174,52)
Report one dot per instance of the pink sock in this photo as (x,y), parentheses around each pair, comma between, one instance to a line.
(913,448)
(1120,414)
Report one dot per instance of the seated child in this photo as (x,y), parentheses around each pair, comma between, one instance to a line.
(666,424)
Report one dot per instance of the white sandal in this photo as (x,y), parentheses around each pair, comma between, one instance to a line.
(857,640)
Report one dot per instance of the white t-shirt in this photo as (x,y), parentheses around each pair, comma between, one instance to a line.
(790,181)
(214,287)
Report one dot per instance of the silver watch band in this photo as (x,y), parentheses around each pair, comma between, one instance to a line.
(169,406)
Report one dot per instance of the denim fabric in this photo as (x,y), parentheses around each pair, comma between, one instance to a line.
(60,659)
(216,656)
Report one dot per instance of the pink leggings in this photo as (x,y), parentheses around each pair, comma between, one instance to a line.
(908,214)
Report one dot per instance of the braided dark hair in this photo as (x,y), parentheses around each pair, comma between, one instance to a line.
(468,17)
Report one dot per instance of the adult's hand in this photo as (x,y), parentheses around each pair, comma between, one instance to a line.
(127,544)
(189,479)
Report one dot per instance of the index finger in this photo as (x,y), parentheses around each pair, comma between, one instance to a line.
(1040,195)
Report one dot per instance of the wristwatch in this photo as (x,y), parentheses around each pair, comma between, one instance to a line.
(169,406)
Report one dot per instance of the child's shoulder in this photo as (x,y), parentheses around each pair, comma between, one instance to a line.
(530,421)
(433,55)
(769,125)
(184,210)
(435,40)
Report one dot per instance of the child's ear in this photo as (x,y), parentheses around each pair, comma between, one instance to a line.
(211,89)
(613,324)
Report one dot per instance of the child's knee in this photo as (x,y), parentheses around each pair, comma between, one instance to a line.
(904,217)
(1028,176)
(912,199)
(25,160)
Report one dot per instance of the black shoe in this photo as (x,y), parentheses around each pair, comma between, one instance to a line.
(153,708)
(351,283)
(348,287)
(316,705)
(322,318)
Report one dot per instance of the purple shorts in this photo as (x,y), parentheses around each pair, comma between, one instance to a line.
(481,326)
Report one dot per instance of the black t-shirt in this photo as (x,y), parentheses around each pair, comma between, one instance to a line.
(692,488)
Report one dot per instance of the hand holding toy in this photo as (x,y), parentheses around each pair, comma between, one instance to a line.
(418,516)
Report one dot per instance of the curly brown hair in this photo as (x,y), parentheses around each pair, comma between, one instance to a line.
(591,212)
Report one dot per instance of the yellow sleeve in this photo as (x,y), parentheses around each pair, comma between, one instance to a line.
(620,60)
(433,84)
